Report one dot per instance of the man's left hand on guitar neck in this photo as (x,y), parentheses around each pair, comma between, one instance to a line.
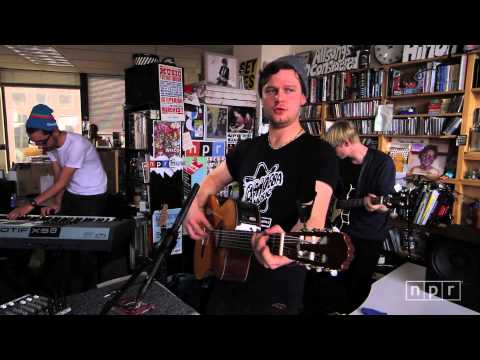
(370,207)
(263,253)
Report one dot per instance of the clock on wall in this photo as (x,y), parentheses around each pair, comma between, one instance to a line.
(388,54)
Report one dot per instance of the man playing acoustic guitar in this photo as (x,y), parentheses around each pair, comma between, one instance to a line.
(276,171)
(371,173)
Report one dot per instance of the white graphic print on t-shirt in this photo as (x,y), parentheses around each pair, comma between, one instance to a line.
(257,189)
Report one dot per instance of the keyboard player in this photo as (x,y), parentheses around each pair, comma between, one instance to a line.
(79,189)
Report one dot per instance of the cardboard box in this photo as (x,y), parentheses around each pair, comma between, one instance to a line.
(28,177)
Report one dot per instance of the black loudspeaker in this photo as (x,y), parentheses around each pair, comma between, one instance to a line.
(453,254)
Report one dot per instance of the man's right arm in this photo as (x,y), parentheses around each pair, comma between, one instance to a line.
(57,203)
(195,222)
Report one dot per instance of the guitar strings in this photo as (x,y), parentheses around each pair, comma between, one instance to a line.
(250,233)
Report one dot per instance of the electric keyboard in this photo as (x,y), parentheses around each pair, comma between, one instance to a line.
(65,232)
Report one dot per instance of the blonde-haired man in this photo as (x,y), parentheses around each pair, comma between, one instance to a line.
(371,173)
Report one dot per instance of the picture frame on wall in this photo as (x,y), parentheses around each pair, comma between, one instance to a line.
(220,69)
(216,122)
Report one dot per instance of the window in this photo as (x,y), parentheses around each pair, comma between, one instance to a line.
(19,99)
(41,98)
(66,100)
(19,102)
(106,97)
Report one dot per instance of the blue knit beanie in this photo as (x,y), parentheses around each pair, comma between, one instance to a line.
(41,118)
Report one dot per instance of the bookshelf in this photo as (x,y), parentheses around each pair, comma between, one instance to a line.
(429,94)
(330,107)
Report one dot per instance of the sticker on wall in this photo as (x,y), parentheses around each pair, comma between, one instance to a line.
(234,138)
(194,170)
(166,166)
(186,141)
(206,148)
(158,227)
(213,162)
(194,123)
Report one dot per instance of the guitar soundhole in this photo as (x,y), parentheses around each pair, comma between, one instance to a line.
(221,200)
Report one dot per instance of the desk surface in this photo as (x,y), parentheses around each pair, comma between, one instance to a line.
(389,295)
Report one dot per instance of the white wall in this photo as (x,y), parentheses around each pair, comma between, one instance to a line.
(263,54)
(271,52)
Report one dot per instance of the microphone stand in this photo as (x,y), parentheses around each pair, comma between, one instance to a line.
(167,243)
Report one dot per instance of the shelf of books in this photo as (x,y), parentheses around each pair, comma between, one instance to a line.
(426,94)
(429,102)
(407,116)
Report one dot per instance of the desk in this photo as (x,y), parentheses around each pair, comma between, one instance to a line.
(388,295)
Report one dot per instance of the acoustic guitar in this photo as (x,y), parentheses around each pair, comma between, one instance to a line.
(227,252)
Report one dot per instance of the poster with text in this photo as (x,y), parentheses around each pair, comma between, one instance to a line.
(248,69)
(171,93)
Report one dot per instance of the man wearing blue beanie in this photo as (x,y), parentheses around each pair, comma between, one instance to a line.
(80,182)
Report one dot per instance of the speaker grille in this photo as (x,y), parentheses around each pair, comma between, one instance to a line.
(455,256)
(145,59)
(453,260)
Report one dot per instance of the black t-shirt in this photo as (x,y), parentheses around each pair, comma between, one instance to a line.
(350,173)
(379,179)
(275,180)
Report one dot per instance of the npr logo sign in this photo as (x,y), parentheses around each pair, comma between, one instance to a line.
(433,290)
(203,148)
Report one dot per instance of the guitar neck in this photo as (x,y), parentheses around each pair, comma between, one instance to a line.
(240,240)
(353,203)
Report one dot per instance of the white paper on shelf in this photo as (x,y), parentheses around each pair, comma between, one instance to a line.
(383,120)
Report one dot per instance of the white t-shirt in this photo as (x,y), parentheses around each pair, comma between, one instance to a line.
(79,153)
